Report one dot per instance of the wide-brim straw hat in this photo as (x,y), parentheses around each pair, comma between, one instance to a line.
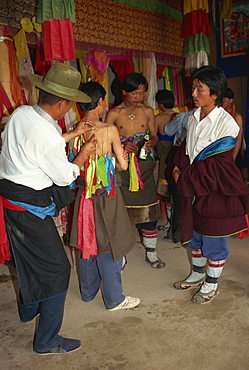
(61,80)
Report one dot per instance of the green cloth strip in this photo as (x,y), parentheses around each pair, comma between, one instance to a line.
(56,9)
(195,44)
(153,6)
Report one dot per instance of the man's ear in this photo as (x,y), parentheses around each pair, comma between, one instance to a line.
(100,102)
(123,92)
(62,104)
(214,96)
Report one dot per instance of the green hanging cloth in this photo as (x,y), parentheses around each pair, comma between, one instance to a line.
(49,10)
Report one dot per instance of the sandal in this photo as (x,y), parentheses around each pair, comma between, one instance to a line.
(184,285)
(158,264)
(202,298)
(124,263)
(163,227)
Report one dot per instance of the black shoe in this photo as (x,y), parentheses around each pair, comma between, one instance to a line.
(67,345)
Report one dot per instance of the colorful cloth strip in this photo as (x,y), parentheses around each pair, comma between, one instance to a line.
(136,181)
(100,177)
(40,212)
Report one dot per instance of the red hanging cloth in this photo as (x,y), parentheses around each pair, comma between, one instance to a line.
(122,67)
(58,40)
(196,22)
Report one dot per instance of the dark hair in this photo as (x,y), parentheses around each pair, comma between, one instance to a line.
(166,98)
(47,98)
(229,93)
(215,79)
(133,81)
(95,91)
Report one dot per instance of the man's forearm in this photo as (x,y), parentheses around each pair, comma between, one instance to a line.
(69,136)
(154,140)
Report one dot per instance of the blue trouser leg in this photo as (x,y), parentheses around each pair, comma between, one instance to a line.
(28,312)
(50,321)
(213,248)
(148,225)
(110,273)
(89,278)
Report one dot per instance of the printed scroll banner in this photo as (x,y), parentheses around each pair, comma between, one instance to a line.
(233,39)
(110,24)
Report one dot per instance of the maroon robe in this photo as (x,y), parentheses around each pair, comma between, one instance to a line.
(214,197)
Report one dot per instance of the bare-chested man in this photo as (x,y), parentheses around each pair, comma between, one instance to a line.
(133,118)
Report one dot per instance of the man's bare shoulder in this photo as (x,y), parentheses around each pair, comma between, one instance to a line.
(116,109)
(237,116)
(110,128)
(113,113)
(146,108)
(163,117)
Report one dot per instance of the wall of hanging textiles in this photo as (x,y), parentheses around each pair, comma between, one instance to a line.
(12,11)
(132,33)
(111,24)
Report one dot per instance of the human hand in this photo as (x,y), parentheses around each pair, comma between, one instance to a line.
(126,155)
(89,147)
(148,145)
(176,173)
(84,126)
(130,147)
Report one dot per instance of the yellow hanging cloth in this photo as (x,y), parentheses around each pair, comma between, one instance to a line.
(134,186)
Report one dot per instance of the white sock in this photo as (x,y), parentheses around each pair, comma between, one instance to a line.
(207,287)
(152,256)
(195,276)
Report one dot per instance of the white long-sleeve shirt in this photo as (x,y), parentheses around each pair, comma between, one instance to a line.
(216,125)
(33,151)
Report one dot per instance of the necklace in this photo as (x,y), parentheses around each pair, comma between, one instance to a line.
(131,115)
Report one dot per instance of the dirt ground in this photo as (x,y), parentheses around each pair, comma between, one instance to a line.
(166,331)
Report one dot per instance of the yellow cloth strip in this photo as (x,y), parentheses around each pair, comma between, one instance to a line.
(148,205)
(163,181)
(134,185)
(226,9)
(190,5)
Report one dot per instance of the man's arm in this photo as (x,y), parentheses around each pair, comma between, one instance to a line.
(111,117)
(118,149)
(161,121)
(81,127)
(151,126)
(238,119)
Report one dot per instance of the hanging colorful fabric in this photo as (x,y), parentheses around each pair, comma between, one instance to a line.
(25,65)
(110,170)
(58,40)
(244,233)
(133,173)
(101,170)
(87,242)
(89,177)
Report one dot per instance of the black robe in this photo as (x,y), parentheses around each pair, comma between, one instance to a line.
(42,265)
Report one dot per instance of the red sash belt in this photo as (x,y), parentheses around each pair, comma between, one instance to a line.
(5,254)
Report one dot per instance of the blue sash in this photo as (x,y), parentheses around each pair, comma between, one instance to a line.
(40,212)
(219,146)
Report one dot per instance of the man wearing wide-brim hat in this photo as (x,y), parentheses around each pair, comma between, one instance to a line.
(34,179)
